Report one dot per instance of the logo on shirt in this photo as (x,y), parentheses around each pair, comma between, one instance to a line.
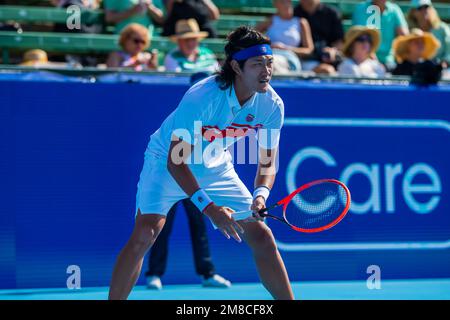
(210,133)
(250,118)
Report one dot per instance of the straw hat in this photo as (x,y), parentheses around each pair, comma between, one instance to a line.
(400,44)
(354,32)
(34,57)
(187,29)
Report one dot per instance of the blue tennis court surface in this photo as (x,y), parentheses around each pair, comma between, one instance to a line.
(423,289)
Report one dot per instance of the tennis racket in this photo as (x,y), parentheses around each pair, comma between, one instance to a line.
(315,206)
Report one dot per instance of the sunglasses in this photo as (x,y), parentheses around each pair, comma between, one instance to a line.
(138,41)
(364,38)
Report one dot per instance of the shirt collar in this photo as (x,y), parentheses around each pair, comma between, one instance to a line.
(234,102)
(232,99)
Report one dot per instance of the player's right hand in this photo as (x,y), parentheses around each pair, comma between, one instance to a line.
(221,217)
(258,204)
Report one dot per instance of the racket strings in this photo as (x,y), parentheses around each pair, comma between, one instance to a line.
(316,206)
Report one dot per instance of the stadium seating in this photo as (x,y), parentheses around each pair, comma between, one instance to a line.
(239,7)
(345,6)
(226,23)
(67,42)
(45,14)
(233,16)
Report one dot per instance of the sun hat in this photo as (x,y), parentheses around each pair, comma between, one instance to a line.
(354,32)
(400,44)
(187,29)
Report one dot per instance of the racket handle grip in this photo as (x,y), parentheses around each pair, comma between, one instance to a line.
(241,215)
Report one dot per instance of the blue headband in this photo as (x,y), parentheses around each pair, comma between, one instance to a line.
(254,51)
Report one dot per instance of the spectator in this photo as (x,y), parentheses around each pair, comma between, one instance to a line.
(189,55)
(424,16)
(82,4)
(96,27)
(359,48)
(202,258)
(412,49)
(123,12)
(38,58)
(35,58)
(134,39)
(203,11)
(290,36)
(327,34)
(392,23)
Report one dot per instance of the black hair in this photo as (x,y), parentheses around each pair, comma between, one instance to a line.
(239,39)
(198,76)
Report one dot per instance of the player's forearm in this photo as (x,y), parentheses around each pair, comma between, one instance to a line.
(265,175)
(184,177)
(156,14)
(302,51)
(116,17)
(264,178)
(213,11)
(179,152)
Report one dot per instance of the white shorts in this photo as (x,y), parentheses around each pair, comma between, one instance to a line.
(157,190)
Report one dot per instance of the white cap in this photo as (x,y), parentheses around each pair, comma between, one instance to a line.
(419,3)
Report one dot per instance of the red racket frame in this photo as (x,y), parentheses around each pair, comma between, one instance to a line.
(285,202)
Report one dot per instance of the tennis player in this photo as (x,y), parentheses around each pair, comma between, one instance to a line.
(212,115)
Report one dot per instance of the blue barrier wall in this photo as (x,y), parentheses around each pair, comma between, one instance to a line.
(71,154)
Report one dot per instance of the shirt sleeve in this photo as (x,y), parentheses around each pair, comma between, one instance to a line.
(269,135)
(190,116)
(379,69)
(346,68)
(400,20)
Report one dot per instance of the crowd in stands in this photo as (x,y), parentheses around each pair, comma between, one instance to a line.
(306,37)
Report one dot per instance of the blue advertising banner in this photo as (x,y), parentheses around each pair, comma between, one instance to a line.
(71,154)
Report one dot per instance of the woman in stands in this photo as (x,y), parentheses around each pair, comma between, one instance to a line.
(134,40)
(424,16)
(291,36)
(359,48)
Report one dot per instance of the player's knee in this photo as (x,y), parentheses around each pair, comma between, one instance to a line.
(143,238)
(263,239)
(140,245)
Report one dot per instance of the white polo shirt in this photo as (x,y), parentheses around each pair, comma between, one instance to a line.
(216,116)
